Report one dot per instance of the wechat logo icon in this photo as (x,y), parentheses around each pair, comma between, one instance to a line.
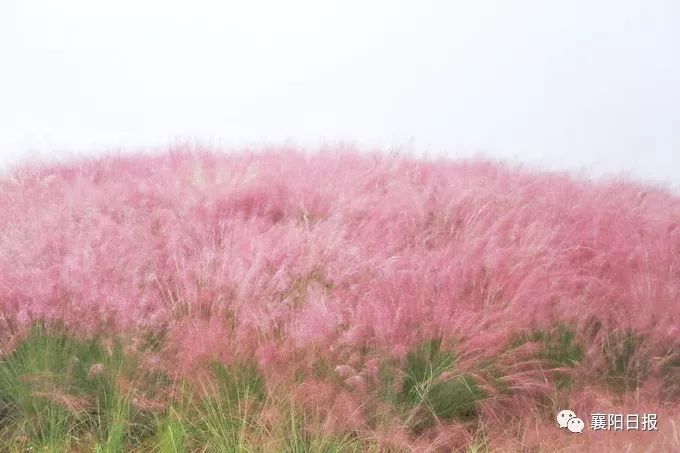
(568,419)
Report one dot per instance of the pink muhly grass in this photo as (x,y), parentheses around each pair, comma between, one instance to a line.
(198,342)
(288,258)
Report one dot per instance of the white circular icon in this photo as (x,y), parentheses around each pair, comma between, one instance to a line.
(575,425)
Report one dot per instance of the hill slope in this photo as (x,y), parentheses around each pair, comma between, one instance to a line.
(504,293)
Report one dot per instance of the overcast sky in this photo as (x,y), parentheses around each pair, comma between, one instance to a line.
(591,85)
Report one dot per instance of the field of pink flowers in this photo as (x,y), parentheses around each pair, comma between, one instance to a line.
(361,284)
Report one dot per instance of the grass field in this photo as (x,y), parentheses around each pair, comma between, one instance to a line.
(335,301)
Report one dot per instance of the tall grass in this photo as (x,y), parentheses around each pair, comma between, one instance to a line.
(198,301)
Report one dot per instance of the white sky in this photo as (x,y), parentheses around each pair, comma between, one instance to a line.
(564,84)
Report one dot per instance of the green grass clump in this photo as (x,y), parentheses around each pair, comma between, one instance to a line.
(559,345)
(294,438)
(172,435)
(670,371)
(224,418)
(46,391)
(433,390)
(559,348)
(56,390)
(626,365)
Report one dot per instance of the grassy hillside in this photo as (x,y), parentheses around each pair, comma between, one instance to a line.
(281,301)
